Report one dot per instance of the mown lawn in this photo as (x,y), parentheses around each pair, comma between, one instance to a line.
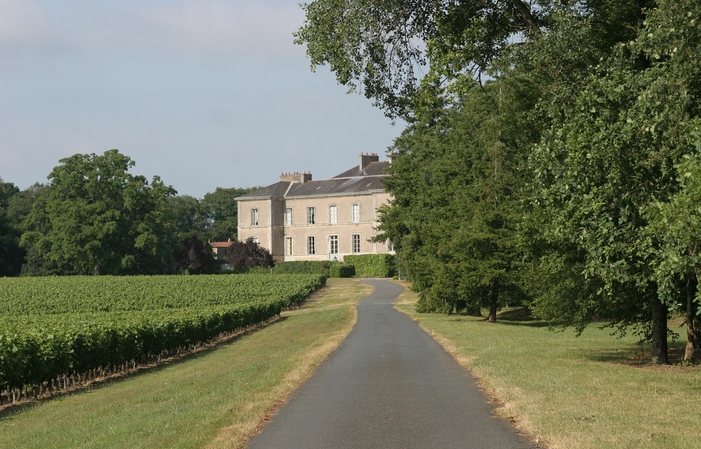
(594,391)
(214,399)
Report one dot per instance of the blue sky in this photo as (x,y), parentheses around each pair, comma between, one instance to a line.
(204,93)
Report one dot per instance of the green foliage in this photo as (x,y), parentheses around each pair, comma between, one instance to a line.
(242,256)
(11,255)
(219,211)
(341,270)
(304,266)
(57,325)
(372,265)
(99,219)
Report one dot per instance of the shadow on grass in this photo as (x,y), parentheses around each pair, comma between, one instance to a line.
(9,410)
(519,316)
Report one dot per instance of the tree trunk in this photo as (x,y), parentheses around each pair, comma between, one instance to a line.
(493,302)
(659,331)
(693,323)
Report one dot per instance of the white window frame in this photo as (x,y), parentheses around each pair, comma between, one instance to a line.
(333,244)
(311,215)
(289,248)
(355,213)
(311,245)
(333,214)
(256,240)
(255,217)
(355,243)
(288,216)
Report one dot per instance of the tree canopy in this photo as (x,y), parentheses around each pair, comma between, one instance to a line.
(100,219)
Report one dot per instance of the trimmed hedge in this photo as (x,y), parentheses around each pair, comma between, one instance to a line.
(341,270)
(304,267)
(372,265)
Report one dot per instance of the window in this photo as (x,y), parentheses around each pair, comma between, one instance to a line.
(356,243)
(310,245)
(288,217)
(355,213)
(333,214)
(310,216)
(333,244)
(254,217)
(390,246)
(288,246)
(255,240)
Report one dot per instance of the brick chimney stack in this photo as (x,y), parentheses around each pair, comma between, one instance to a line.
(366,159)
(296,177)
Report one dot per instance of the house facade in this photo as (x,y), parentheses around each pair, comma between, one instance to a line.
(299,218)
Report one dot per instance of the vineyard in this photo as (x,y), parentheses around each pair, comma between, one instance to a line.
(54,330)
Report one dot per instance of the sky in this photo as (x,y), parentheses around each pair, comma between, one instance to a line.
(203,93)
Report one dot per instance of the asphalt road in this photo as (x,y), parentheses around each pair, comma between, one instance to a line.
(389,385)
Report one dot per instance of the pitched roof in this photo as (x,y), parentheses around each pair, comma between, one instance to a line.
(353,181)
(372,169)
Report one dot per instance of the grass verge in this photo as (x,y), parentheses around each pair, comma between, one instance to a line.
(568,392)
(214,399)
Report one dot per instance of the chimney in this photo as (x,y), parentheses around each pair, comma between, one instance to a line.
(366,159)
(296,177)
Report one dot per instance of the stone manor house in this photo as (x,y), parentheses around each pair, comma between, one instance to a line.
(298,218)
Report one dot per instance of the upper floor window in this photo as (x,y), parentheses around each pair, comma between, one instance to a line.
(310,215)
(333,214)
(355,213)
(288,216)
(254,217)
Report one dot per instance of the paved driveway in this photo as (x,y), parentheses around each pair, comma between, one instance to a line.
(389,385)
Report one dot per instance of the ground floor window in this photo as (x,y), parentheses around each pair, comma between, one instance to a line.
(310,245)
(356,243)
(333,244)
(288,246)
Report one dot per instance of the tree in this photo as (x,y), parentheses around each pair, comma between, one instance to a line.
(11,255)
(382,47)
(456,186)
(242,256)
(99,219)
(194,256)
(611,154)
(220,212)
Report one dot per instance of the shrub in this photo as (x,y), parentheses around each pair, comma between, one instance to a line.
(341,270)
(372,265)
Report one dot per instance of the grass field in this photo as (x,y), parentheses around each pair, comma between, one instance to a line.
(568,392)
(215,399)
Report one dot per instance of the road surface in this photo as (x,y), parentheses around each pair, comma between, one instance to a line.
(388,385)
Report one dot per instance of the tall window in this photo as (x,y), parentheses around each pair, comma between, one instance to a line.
(310,216)
(310,245)
(333,214)
(390,245)
(355,213)
(254,217)
(356,243)
(288,246)
(288,216)
(333,244)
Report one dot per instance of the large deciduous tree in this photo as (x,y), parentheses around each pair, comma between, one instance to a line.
(100,219)
(610,155)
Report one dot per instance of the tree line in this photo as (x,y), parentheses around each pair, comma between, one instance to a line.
(551,155)
(95,217)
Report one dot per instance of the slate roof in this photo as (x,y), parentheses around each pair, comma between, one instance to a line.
(372,169)
(353,181)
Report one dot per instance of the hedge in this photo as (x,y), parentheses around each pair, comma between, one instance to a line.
(372,265)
